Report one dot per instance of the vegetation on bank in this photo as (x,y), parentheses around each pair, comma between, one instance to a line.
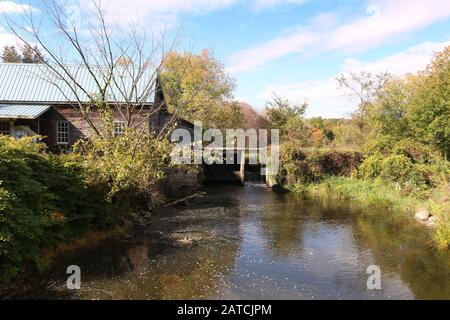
(303,166)
(387,196)
(397,154)
(44,200)
(47,199)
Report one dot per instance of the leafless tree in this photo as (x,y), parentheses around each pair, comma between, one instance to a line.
(365,87)
(111,69)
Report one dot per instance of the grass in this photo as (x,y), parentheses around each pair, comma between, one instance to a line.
(385,195)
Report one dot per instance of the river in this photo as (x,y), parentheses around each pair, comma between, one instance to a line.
(252,243)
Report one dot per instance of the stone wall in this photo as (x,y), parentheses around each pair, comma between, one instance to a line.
(181,182)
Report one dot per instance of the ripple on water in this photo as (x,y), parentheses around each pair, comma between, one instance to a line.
(250,243)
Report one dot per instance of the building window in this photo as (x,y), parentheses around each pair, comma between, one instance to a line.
(4,127)
(119,128)
(62,132)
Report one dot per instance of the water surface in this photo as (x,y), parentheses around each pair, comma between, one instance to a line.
(252,243)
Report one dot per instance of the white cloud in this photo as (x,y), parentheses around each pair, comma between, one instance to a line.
(269,51)
(153,13)
(167,12)
(383,21)
(7,39)
(8,7)
(411,60)
(387,19)
(323,96)
(265,4)
(327,100)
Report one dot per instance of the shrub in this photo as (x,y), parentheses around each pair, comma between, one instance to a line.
(19,229)
(44,200)
(407,162)
(382,144)
(417,152)
(396,168)
(127,165)
(310,165)
(371,167)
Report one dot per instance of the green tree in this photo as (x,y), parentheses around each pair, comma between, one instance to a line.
(347,134)
(287,116)
(429,112)
(389,113)
(280,110)
(417,107)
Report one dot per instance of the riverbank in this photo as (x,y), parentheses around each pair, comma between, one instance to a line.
(49,200)
(381,194)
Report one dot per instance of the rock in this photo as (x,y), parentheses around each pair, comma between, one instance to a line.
(422,215)
(432,221)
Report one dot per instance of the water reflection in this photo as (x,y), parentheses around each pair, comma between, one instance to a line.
(251,243)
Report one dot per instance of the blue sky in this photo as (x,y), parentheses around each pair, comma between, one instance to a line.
(293,47)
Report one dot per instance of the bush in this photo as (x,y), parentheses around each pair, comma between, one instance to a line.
(311,165)
(396,168)
(128,165)
(371,167)
(417,152)
(44,200)
(380,145)
(407,162)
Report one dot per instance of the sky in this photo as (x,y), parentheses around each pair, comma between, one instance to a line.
(295,48)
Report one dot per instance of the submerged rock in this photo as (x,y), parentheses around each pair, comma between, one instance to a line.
(422,215)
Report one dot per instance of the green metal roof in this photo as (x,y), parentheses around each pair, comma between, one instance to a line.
(37,84)
(22,111)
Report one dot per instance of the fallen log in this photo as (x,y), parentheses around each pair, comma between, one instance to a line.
(197,194)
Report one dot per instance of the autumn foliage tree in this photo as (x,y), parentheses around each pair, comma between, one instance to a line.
(10,55)
(28,54)
(252,118)
(198,88)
